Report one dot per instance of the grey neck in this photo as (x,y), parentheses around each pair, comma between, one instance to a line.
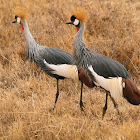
(79,44)
(28,35)
(80,34)
(31,43)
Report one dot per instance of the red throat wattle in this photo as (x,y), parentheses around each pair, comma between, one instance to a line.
(22,28)
(77,29)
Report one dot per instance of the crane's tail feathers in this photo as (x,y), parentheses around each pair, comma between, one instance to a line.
(118,87)
(131,92)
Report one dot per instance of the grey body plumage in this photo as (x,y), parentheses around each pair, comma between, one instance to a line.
(102,65)
(94,68)
(39,53)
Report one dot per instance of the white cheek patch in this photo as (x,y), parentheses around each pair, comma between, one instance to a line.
(18,20)
(76,22)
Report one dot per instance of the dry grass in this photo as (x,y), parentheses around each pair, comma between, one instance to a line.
(27,97)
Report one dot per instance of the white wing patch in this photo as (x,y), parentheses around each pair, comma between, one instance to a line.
(65,70)
(113,84)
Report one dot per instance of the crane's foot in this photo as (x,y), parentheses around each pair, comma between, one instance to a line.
(53,108)
(57,94)
(105,107)
(82,107)
(116,107)
(104,111)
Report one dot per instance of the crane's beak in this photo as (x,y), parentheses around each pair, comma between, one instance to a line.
(69,22)
(14,21)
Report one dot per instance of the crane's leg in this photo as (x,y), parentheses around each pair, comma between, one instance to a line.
(57,94)
(116,106)
(105,107)
(81,102)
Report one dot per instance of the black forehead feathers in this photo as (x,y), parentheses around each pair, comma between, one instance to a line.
(16,16)
(73,18)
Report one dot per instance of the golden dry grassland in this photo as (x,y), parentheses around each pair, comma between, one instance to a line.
(27,97)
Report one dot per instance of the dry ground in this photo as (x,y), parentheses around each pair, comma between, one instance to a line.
(27,97)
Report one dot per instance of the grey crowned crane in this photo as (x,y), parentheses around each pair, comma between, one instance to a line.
(97,69)
(42,55)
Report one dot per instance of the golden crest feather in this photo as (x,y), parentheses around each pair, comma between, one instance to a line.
(21,12)
(81,14)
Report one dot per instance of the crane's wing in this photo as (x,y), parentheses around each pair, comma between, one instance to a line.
(107,73)
(52,56)
(65,70)
(55,55)
(105,66)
